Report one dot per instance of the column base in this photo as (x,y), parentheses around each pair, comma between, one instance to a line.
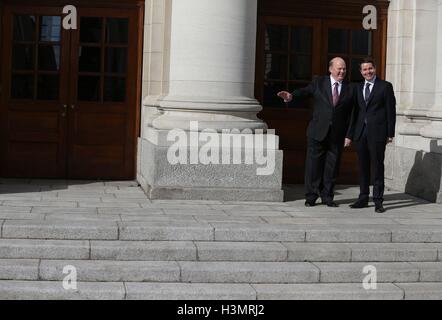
(416,172)
(227,180)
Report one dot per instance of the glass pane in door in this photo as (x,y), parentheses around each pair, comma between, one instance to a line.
(301,40)
(49,57)
(361,42)
(23,57)
(116,60)
(300,67)
(276,37)
(50,28)
(337,41)
(89,88)
(117,30)
(91,29)
(24,28)
(276,66)
(89,59)
(114,89)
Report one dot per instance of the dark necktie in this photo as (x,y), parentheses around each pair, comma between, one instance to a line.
(367,92)
(335,94)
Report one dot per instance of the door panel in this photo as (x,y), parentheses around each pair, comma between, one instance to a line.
(33,125)
(102,114)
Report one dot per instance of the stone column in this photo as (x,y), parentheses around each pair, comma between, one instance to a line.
(414,162)
(431,171)
(417,47)
(212,64)
(210,89)
(434,129)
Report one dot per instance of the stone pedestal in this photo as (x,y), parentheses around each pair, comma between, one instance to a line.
(181,170)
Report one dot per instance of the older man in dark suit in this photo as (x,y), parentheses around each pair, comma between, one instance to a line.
(372,127)
(334,99)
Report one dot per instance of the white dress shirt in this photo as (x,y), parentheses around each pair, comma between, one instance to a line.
(332,80)
(370,87)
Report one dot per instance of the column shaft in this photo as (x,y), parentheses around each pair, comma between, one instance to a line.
(212,64)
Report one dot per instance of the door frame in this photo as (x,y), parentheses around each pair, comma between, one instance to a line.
(134,125)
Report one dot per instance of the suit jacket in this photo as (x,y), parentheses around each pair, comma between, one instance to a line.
(379,114)
(326,116)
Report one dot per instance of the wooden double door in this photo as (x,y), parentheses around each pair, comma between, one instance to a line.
(295,41)
(70,97)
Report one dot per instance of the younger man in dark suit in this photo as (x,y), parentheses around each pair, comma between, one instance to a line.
(372,127)
(334,99)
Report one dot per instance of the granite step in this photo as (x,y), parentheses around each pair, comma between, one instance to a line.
(220,271)
(51,290)
(92,228)
(44,249)
(219,251)
(349,291)
(160,271)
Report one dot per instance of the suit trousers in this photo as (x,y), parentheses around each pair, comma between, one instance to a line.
(322,167)
(371,154)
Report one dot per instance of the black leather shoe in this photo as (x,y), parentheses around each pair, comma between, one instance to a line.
(359,204)
(309,203)
(379,209)
(331,204)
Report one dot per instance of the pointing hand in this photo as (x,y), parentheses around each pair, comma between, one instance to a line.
(285,95)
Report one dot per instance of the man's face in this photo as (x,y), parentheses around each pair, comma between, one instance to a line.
(368,71)
(338,70)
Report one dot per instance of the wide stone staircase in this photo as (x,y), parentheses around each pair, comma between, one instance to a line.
(124,246)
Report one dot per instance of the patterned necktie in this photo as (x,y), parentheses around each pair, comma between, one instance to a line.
(335,94)
(367,92)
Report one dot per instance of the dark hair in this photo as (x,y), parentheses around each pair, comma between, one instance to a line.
(367,60)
